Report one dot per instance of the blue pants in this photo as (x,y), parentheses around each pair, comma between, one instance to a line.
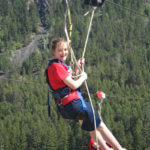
(74,110)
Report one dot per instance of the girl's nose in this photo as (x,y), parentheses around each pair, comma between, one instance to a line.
(63,52)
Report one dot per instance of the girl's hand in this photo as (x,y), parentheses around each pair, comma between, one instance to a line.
(81,62)
(70,71)
(84,75)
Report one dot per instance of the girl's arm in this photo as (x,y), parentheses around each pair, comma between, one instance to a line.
(75,84)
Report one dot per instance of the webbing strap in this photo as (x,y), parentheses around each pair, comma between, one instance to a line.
(48,103)
(82,100)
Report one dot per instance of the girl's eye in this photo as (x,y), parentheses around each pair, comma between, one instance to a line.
(61,50)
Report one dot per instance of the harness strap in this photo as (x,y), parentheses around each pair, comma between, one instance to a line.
(82,101)
(57,94)
(63,95)
(48,103)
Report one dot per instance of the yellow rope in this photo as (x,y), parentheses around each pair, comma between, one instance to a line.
(70,32)
(70,25)
(73,56)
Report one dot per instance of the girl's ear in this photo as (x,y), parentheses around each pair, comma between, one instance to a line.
(52,51)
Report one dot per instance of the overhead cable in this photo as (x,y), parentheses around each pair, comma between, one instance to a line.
(126,8)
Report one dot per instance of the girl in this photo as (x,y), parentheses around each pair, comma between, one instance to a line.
(68,96)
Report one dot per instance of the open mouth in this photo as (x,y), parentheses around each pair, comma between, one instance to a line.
(62,56)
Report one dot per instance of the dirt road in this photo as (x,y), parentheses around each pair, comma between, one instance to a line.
(24,53)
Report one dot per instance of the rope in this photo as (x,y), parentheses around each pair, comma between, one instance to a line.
(92,111)
(100,108)
(66,32)
(70,31)
(123,7)
(68,39)
(71,50)
(87,37)
(83,54)
(70,23)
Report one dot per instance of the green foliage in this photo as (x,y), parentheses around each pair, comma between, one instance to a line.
(117,62)
(17,22)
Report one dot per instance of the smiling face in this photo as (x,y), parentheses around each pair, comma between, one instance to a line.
(61,51)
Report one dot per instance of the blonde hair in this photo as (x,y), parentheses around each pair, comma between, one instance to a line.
(56,42)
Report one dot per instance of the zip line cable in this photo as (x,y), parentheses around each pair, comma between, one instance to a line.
(126,97)
(107,96)
(126,8)
(14,80)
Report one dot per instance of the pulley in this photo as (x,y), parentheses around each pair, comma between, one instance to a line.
(95,3)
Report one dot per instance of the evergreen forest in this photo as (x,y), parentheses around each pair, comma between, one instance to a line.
(117,61)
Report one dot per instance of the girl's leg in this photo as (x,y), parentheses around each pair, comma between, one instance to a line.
(80,122)
(108,136)
(100,139)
